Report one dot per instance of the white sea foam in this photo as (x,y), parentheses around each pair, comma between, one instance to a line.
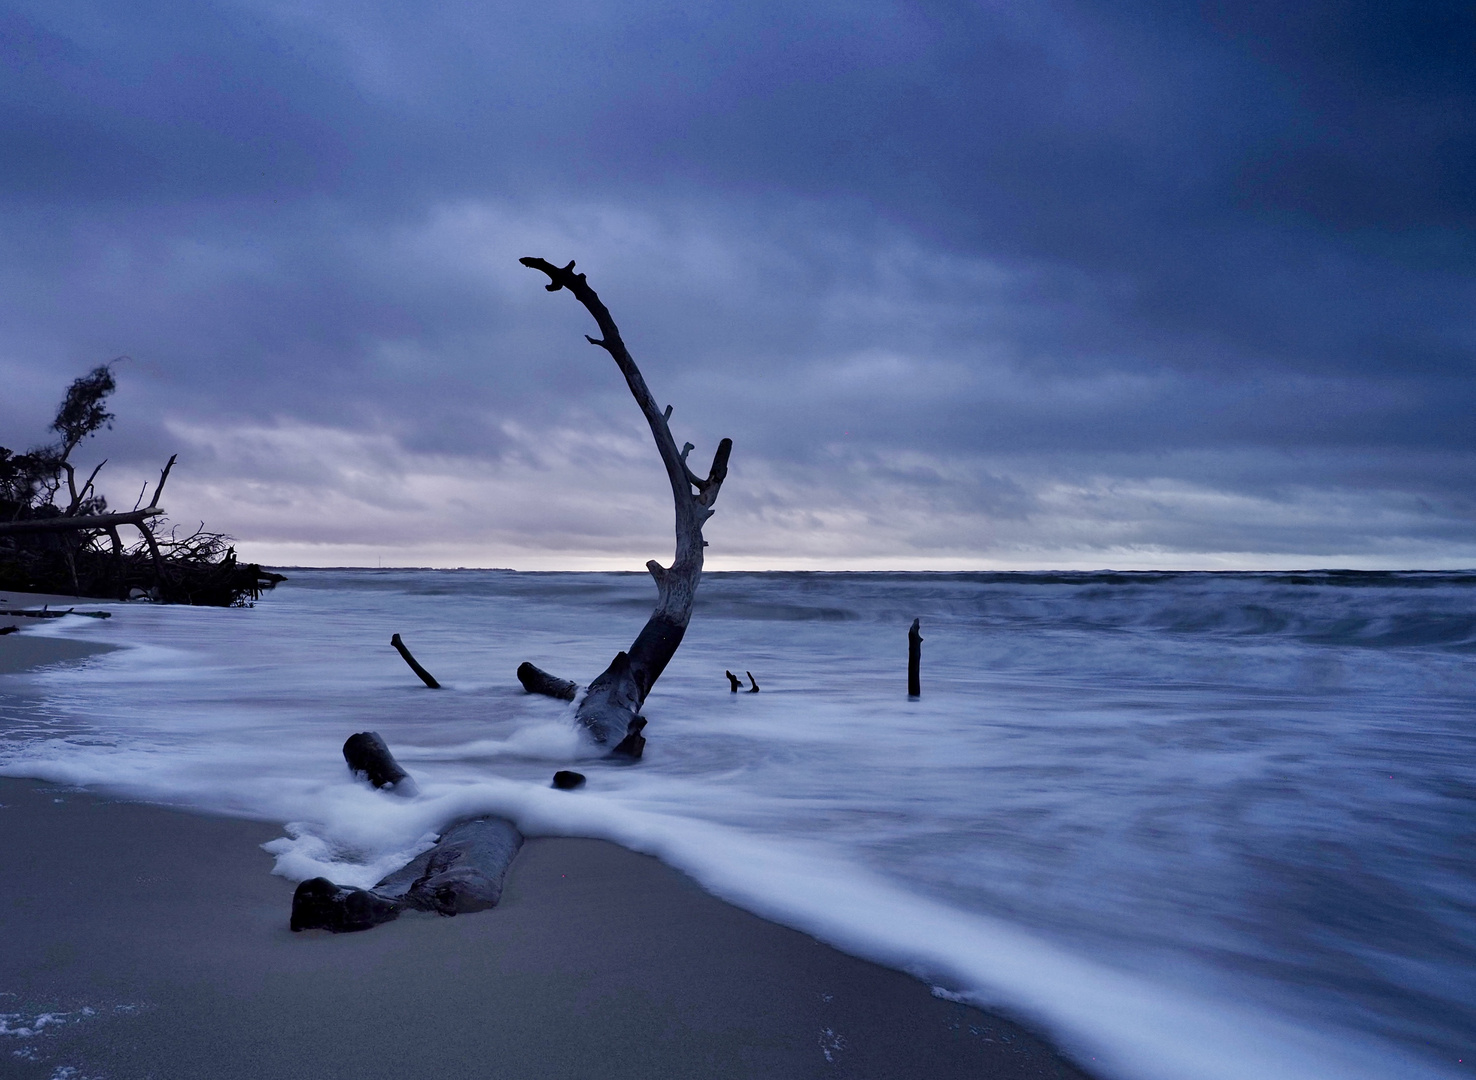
(1156,816)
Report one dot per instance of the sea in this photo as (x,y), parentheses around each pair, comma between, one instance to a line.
(1218,826)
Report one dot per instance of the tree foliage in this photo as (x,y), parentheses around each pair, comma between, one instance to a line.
(41,552)
(30,482)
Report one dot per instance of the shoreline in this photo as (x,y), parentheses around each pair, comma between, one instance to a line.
(144,940)
(21,652)
(148,941)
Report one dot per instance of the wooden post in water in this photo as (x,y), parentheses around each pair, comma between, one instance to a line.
(914,660)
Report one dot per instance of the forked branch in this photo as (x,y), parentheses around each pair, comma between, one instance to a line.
(682,478)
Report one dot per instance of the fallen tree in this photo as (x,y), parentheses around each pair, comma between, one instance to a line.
(53,533)
(610,708)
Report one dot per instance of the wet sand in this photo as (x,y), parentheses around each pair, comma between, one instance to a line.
(20,651)
(139,941)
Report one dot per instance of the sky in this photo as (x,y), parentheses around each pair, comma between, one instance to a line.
(969,285)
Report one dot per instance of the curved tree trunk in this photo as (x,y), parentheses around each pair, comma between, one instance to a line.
(611,708)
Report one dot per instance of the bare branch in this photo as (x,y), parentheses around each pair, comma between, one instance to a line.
(614,344)
(425,676)
(79,499)
(163,476)
(71,481)
(78,524)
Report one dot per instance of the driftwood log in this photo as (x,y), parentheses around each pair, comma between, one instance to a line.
(537,681)
(462,873)
(610,709)
(47,613)
(369,758)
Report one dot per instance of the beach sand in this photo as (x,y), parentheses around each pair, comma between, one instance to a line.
(156,942)
(20,651)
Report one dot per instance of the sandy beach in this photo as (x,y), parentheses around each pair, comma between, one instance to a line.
(143,941)
(19,651)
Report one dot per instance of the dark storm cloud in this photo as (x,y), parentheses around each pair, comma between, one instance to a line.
(1050,277)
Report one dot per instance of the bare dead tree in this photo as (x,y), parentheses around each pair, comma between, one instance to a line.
(610,710)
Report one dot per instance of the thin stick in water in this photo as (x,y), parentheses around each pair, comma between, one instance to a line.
(425,676)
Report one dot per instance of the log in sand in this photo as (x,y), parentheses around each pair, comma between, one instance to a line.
(461,874)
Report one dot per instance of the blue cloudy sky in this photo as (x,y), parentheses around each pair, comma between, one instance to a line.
(968,284)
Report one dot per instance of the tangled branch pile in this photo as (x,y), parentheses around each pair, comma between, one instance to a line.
(60,538)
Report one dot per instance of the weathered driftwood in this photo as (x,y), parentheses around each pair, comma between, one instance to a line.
(319,904)
(425,676)
(914,659)
(610,709)
(47,613)
(753,687)
(734,682)
(368,756)
(462,873)
(537,681)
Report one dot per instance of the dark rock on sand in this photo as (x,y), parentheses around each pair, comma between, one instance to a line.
(368,756)
(565,780)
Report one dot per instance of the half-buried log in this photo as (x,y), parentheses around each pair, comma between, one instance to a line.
(461,874)
(611,707)
(369,757)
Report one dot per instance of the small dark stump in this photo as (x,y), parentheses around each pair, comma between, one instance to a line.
(369,756)
(565,780)
(537,681)
(914,659)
